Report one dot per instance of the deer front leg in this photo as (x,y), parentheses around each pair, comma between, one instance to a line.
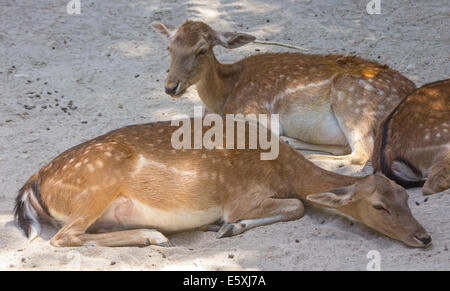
(270,211)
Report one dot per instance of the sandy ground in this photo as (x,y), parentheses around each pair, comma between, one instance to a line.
(67,78)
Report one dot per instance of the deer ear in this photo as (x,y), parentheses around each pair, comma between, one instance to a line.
(335,198)
(165,30)
(233,40)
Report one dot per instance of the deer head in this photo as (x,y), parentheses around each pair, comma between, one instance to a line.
(191,51)
(380,204)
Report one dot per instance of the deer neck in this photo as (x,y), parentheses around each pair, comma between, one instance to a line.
(216,83)
(306,178)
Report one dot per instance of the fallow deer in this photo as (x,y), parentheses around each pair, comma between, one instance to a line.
(328,103)
(131,185)
(413,141)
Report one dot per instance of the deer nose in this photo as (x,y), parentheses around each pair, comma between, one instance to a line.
(425,239)
(172,90)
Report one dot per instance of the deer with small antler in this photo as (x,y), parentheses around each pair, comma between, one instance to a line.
(328,103)
(130,186)
(413,141)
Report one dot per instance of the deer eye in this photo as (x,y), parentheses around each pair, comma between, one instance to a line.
(202,52)
(380,207)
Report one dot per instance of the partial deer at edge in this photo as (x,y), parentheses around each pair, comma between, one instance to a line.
(328,103)
(413,142)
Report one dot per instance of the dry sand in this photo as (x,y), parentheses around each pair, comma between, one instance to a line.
(67,78)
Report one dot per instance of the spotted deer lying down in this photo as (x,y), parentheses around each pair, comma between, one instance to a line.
(129,186)
(413,142)
(328,103)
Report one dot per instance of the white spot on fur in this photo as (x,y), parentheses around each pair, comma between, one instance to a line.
(361,102)
(91,168)
(369,87)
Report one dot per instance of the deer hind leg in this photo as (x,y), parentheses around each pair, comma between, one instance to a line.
(269,211)
(358,102)
(358,130)
(136,237)
(300,145)
(439,178)
(73,233)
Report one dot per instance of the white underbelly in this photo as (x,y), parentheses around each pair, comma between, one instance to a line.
(124,213)
(316,127)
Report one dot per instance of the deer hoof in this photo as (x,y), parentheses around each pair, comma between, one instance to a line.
(225,231)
